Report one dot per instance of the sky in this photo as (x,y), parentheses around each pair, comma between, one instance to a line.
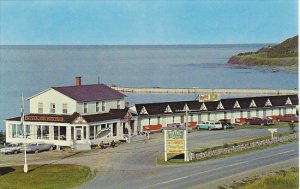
(147,22)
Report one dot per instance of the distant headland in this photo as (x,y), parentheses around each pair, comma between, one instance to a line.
(281,57)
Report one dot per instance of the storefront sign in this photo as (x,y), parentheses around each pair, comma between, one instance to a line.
(44,118)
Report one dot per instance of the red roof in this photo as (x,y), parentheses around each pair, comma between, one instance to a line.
(94,92)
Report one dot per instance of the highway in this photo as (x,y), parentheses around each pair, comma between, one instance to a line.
(134,165)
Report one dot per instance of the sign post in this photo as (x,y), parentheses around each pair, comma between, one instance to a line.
(175,142)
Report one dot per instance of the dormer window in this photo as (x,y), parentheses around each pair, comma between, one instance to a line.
(203,107)
(143,111)
(252,104)
(288,101)
(236,105)
(268,103)
(168,110)
(220,106)
(186,108)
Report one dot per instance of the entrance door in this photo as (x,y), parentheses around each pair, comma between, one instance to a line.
(78,134)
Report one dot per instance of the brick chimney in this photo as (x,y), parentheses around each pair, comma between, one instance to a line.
(78,81)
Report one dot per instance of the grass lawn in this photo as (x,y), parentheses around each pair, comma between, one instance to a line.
(44,176)
(282,179)
(276,125)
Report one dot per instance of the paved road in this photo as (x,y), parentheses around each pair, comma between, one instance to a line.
(134,165)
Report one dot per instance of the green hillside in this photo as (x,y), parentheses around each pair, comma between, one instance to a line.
(283,56)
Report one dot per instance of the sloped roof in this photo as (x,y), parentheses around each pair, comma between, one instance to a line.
(228,104)
(87,93)
(59,118)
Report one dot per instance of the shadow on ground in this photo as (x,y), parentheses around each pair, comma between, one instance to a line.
(5,170)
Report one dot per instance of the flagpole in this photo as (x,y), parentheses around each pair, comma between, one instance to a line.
(24,135)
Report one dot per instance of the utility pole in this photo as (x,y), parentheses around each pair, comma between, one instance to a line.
(24,135)
(186,134)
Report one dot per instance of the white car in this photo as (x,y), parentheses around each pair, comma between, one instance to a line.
(209,125)
(11,149)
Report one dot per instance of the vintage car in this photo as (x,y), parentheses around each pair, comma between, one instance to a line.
(37,147)
(210,125)
(226,123)
(11,149)
(260,121)
(287,118)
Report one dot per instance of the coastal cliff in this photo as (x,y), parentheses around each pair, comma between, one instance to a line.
(283,56)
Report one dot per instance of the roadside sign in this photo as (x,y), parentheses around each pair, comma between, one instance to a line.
(175,142)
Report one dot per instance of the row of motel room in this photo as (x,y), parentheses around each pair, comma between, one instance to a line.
(88,114)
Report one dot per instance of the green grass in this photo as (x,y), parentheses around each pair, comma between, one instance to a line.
(277,125)
(281,180)
(44,176)
(284,63)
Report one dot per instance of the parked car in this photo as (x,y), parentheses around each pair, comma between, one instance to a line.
(37,147)
(210,125)
(226,123)
(11,149)
(260,121)
(287,118)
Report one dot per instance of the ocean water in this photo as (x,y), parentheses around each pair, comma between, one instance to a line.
(32,69)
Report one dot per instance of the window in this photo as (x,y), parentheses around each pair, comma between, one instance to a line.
(40,107)
(52,108)
(92,132)
(84,107)
(14,130)
(97,106)
(56,132)
(45,132)
(62,133)
(118,104)
(39,132)
(103,106)
(114,129)
(65,109)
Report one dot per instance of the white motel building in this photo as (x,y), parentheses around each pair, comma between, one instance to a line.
(84,114)
(157,115)
(88,114)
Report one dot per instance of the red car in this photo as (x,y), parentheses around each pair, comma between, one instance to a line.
(260,121)
(287,118)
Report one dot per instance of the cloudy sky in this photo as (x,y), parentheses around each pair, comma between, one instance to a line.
(147,22)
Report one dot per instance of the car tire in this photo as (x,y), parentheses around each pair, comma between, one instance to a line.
(36,151)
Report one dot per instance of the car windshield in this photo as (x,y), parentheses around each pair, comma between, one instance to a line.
(218,122)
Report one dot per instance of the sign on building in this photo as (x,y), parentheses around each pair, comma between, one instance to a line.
(175,142)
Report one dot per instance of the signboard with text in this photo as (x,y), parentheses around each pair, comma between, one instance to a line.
(175,142)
